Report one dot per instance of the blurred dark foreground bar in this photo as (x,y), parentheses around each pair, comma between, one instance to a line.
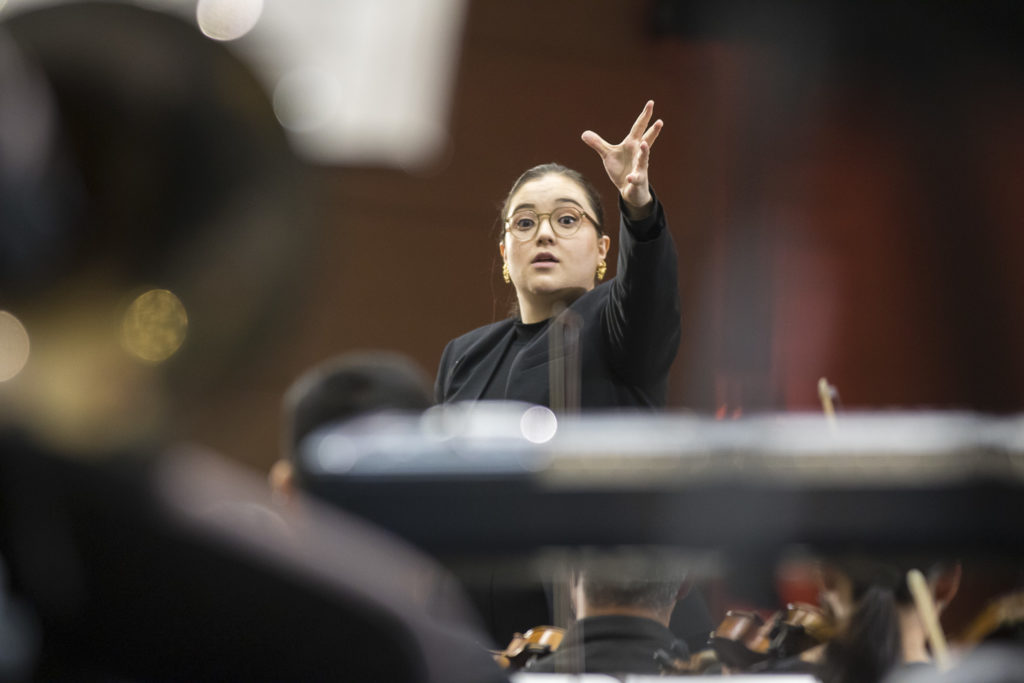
(894,482)
(178,567)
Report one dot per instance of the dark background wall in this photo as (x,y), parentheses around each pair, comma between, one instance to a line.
(843,189)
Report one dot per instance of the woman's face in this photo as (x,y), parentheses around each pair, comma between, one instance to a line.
(548,266)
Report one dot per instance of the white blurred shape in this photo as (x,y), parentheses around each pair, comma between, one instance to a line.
(335,453)
(538,424)
(392,66)
(228,19)
(395,62)
(14,346)
(307,99)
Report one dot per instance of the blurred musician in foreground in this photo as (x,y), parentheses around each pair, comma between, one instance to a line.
(553,249)
(149,161)
(623,605)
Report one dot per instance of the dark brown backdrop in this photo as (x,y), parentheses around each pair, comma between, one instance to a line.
(845,204)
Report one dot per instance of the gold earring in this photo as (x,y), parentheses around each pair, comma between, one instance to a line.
(602,268)
(505,274)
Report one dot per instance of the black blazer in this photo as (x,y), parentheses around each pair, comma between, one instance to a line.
(629,337)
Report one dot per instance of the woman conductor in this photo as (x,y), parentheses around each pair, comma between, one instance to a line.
(553,248)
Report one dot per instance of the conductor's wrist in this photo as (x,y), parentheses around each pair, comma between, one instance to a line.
(638,211)
(641,221)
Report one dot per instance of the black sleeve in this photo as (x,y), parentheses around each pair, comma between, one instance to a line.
(641,320)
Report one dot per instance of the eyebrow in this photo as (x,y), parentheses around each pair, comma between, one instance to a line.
(570,200)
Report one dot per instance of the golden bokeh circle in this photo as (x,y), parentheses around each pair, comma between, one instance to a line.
(154,326)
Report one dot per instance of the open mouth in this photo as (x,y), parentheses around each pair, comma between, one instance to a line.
(544,257)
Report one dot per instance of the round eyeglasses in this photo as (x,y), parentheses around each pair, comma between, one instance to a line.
(564,221)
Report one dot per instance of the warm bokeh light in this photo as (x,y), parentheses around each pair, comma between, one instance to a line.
(154,326)
(81,392)
(14,343)
(228,19)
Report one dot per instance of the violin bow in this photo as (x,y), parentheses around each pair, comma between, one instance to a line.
(929,616)
(827,393)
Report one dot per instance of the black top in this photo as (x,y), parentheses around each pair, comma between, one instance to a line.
(629,337)
(524,333)
(612,645)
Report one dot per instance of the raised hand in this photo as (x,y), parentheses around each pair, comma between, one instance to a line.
(626,163)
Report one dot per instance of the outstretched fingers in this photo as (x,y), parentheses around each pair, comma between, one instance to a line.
(644,157)
(596,142)
(626,162)
(652,134)
(641,122)
(638,176)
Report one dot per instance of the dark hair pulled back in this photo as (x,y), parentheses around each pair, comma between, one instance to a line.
(871,645)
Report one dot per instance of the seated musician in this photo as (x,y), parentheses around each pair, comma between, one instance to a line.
(341,388)
(880,630)
(623,604)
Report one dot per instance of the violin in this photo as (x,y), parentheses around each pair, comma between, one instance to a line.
(804,626)
(744,639)
(1002,619)
(525,647)
(741,639)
